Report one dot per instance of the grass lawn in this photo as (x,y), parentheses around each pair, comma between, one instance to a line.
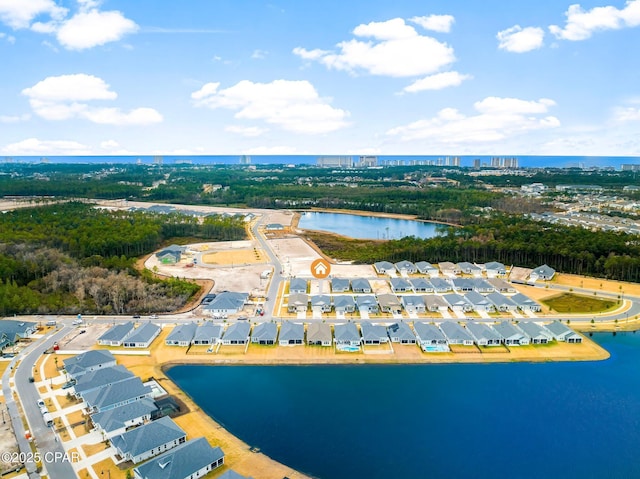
(575,303)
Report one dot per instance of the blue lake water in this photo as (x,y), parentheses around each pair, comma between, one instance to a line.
(516,420)
(367,227)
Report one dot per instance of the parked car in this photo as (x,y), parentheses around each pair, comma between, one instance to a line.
(136,316)
(41,403)
(154,316)
(31,379)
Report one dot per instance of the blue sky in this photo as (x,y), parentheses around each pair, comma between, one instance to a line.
(532,77)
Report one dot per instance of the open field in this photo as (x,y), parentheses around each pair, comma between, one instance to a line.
(575,303)
(245,256)
(597,284)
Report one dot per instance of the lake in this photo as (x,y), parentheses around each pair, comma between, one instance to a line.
(367,227)
(526,420)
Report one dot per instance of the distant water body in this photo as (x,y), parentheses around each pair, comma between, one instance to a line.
(465,160)
(367,227)
(516,420)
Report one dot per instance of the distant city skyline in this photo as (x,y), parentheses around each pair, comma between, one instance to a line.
(454,78)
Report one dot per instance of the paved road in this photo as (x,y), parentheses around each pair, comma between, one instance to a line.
(276,277)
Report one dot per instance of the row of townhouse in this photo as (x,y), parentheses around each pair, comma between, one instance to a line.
(412,303)
(127,335)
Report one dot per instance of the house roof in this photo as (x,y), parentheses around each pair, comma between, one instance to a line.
(319,332)
(558,329)
(432,300)
(231,474)
(116,393)
(346,332)
(16,329)
(144,333)
(88,359)
(421,283)
(400,283)
(477,299)
(479,283)
(499,284)
(366,300)
(499,299)
(298,299)
(440,284)
(494,265)
(388,299)
(455,299)
(116,418)
(149,436)
(118,332)
(320,300)
(401,330)
(522,300)
(465,265)
(339,284)
(100,377)
(463,283)
(183,333)
(342,301)
(237,331)
(428,332)
(425,266)
(381,266)
(360,284)
(228,300)
(507,330)
(482,331)
(412,300)
(372,331)
(544,271)
(404,264)
(533,330)
(298,284)
(291,331)
(265,331)
(207,331)
(447,265)
(181,461)
(454,332)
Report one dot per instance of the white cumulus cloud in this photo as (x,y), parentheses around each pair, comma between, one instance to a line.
(581,23)
(67,96)
(520,40)
(35,147)
(20,13)
(436,23)
(437,81)
(292,105)
(93,28)
(497,119)
(390,48)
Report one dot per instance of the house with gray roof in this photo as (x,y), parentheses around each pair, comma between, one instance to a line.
(435,303)
(171,255)
(449,269)
(536,334)
(181,335)
(319,334)
(512,336)
(384,267)
(346,334)
(501,286)
(482,286)
(117,420)
(427,268)
(406,267)
(441,285)
(149,440)
(237,334)
(225,304)
(207,333)
(367,303)
(100,378)
(413,303)
(340,285)
(297,303)
(525,303)
(458,303)
(344,303)
(469,268)
(87,362)
(194,458)
(373,333)
(231,474)
(456,334)
(483,334)
(117,334)
(430,338)
(543,272)
(421,285)
(264,333)
(562,332)
(321,303)
(361,285)
(291,334)
(298,285)
(401,333)
(389,303)
(495,269)
(143,336)
(401,285)
(462,285)
(11,331)
(502,303)
(116,394)
(479,302)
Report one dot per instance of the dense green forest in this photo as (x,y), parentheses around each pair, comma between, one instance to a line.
(72,257)
(509,239)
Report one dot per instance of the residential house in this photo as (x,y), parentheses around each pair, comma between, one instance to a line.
(171,254)
(561,332)
(225,304)
(194,458)
(480,302)
(298,285)
(435,303)
(237,334)
(361,285)
(401,285)
(181,335)
(482,286)
(495,269)
(298,303)
(344,304)
(543,272)
(117,420)
(406,267)
(207,334)
(440,285)
(87,362)
(424,267)
(11,331)
(484,334)
(512,336)
(291,334)
(143,336)
(116,394)
(401,333)
(389,303)
(470,268)
(373,333)
(340,285)
(367,303)
(346,334)
(321,303)
(100,378)
(501,286)
(525,304)
(413,304)
(430,338)
(456,334)
(319,334)
(117,334)
(462,285)
(264,333)
(519,275)
(458,303)
(421,285)
(536,334)
(502,303)
(384,267)
(449,269)
(149,440)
